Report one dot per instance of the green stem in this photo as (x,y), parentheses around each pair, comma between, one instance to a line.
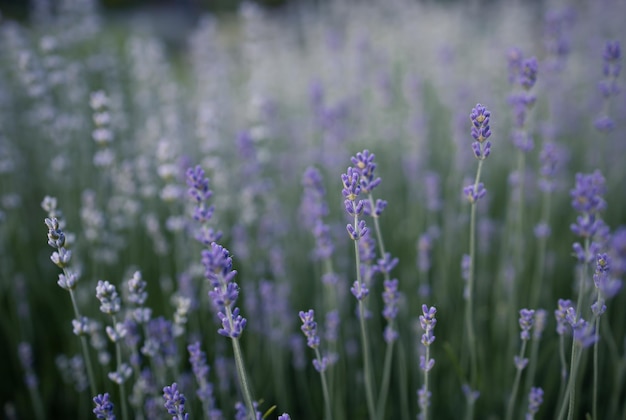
(83,341)
(35,396)
(518,376)
(541,254)
(581,280)
(369,394)
(595,369)
(425,406)
(384,390)
(569,400)
(327,404)
(241,372)
(118,357)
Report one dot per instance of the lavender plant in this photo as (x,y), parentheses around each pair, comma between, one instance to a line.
(481,131)
(118,122)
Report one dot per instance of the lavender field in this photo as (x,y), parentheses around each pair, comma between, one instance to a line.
(348,210)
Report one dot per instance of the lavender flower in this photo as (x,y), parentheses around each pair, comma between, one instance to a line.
(25,354)
(601,280)
(526,321)
(104,407)
(539,323)
(424,248)
(175,402)
(391,296)
(359,290)
(137,289)
(200,193)
(588,193)
(313,209)
(535,398)
(423,398)
(474,192)
(528,73)
(562,315)
(514,60)
(309,328)
(480,123)
(427,322)
(583,332)
(609,87)
(110,301)
(364,163)
(219,271)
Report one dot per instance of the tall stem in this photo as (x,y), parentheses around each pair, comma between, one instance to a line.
(369,394)
(83,342)
(595,369)
(329,415)
(469,310)
(243,377)
(118,357)
(518,376)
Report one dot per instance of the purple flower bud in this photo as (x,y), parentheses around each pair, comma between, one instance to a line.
(528,73)
(474,194)
(520,362)
(174,401)
(104,407)
(360,291)
(309,328)
(535,398)
(480,123)
(526,321)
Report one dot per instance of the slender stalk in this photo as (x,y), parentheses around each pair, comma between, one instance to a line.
(369,394)
(327,405)
(83,341)
(594,409)
(469,314)
(425,406)
(581,280)
(518,376)
(569,400)
(541,253)
(243,378)
(384,390)
(563,369)
(118,357)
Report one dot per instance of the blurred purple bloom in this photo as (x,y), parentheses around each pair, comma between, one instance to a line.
(110,301)
(514,61)
(528,73)
(561,315)
(611,55)
(526,320)
(309,328)
(174,402)
(473,194)
(428,322)
(535,398)
(104,407)
(359,290)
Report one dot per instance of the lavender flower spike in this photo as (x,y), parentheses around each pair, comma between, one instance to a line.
(535,398)
(309,328)
(104,407)
(175,402)
(480,123)
(110,302)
